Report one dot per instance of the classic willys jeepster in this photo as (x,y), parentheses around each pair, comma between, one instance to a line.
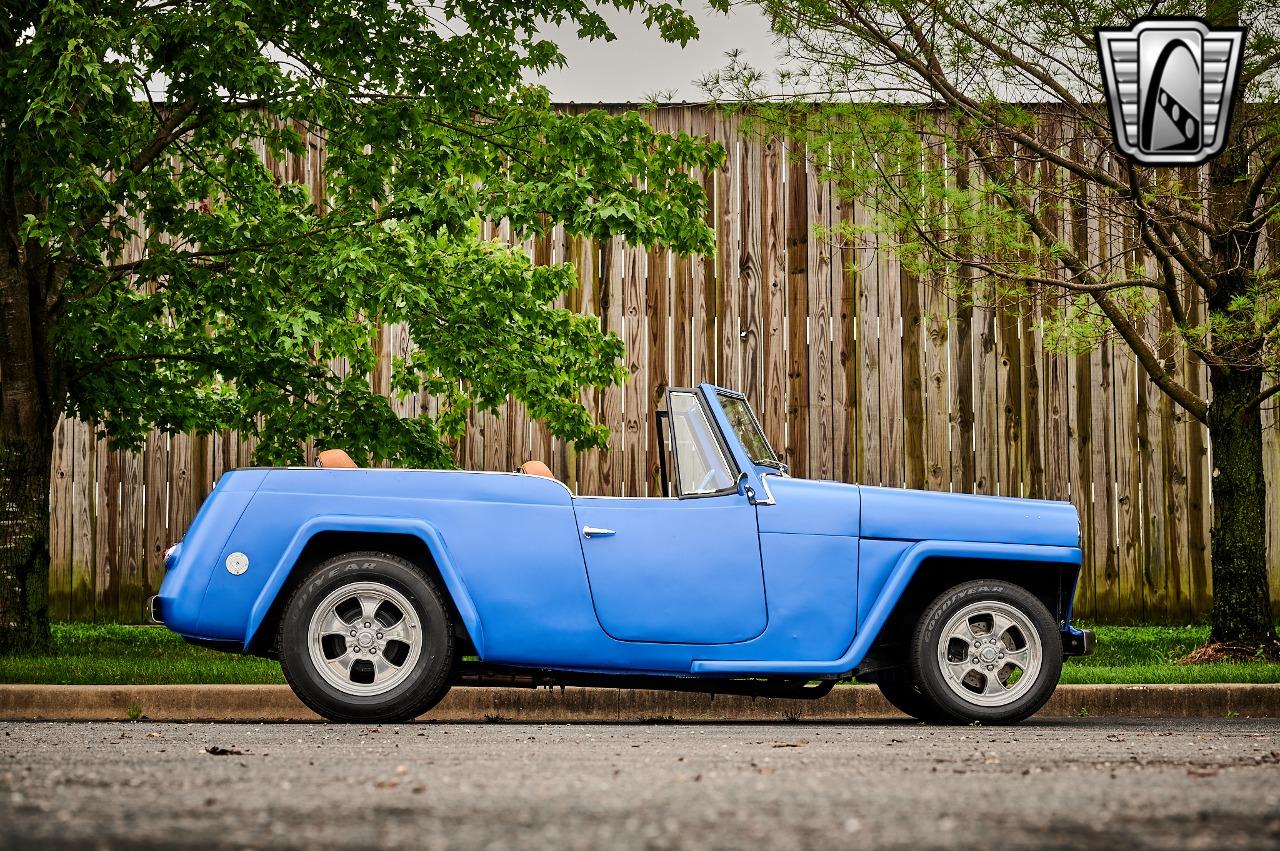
(378,589)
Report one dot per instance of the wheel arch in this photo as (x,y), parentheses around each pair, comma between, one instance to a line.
(326,537)
(1050,576)
(1062,563)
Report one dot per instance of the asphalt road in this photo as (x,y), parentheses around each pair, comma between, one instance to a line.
(1049,784)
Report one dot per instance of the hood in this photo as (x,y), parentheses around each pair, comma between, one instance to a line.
(908,515)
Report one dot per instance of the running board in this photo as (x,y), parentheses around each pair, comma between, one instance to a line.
(469,673)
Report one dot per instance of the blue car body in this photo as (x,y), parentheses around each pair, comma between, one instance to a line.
(769,576)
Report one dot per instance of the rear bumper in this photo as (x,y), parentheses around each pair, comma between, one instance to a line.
(1077,642)
(153,610)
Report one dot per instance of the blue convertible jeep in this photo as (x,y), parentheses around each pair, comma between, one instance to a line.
(379,589)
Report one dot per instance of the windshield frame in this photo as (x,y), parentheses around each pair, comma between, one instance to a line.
(715,431)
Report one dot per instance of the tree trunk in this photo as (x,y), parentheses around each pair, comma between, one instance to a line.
(24,542)
(1241,602)
(27,417)
(26,453)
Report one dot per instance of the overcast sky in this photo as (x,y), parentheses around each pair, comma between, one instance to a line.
(640,64)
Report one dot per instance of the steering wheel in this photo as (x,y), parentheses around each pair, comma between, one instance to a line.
(706,480)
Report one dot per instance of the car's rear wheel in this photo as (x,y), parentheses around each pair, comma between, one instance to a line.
(987,651)
(366,638)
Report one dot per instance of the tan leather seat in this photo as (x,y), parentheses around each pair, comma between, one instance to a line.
(537,468)
(335,459)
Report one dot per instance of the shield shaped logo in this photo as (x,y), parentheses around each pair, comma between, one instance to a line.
(1170,83)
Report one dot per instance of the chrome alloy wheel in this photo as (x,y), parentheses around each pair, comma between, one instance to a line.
(989,653)
(364,638)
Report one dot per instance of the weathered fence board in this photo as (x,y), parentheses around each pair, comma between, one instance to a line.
(844,351)
(861,371)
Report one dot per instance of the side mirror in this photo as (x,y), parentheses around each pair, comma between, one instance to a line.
(750,492)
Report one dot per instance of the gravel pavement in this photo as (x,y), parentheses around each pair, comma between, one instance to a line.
(1047,784)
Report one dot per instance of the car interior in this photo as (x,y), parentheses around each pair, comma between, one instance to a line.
(700,464)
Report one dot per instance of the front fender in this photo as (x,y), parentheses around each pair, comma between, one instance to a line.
(900,577)
(428,534)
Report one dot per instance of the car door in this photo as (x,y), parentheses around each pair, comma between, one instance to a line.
(684,569)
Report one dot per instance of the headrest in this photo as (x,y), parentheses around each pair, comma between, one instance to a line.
(335,459)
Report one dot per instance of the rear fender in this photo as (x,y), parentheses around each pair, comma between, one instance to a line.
(422,530)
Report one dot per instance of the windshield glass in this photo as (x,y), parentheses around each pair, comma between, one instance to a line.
(744,424)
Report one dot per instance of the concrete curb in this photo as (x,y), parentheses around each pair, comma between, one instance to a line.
(251,703)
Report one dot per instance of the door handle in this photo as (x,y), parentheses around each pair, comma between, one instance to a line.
(593,532)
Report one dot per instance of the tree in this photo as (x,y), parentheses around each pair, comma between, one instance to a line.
(979,132)
(154,274)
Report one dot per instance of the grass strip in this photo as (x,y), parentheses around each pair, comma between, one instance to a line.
(113,654)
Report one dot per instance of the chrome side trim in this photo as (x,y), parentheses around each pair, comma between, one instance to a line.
(607,496)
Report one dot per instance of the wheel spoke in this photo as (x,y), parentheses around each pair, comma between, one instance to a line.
(381,667)
(962,632)
(334,625)
(400,631)
(368,606)
(1000,625)
(960,670)
(341,665)
(993,686)
(1021,658)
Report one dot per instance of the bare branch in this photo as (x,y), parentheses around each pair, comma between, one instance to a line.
(1257,187)
(1164,379)
(1262,397)
(921,59)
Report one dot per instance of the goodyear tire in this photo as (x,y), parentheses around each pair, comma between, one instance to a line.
(366,638)
(987,651)
(908,699)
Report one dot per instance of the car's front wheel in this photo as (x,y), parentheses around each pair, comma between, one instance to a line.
(987,651)
(907,698)
(366,638)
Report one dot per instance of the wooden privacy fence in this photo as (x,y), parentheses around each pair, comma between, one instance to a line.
(859,371)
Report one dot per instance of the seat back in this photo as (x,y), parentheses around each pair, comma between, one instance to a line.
(537,468)
(335,459)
